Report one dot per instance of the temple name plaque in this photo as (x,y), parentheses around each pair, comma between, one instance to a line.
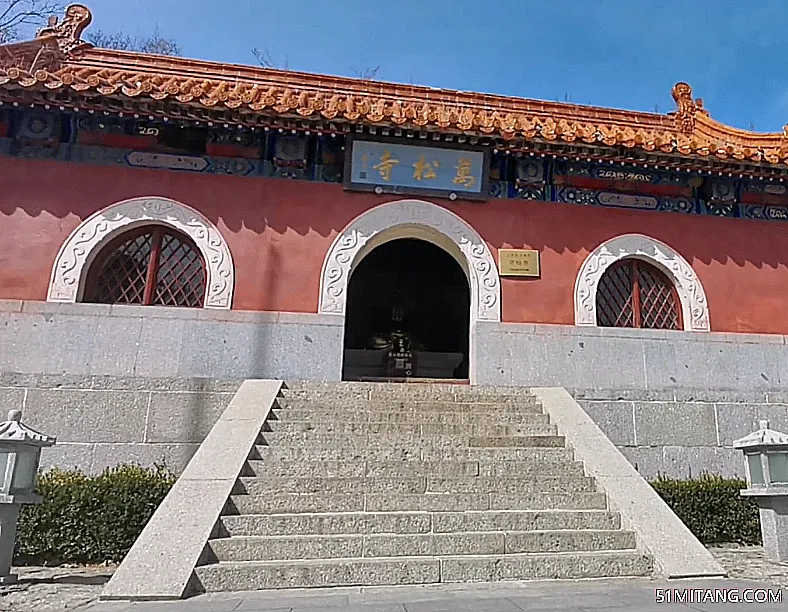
(519,262)
(418,167)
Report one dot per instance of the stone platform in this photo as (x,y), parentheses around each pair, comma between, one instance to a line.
(67,589)
(581,596)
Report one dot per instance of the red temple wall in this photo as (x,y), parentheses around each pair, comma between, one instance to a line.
(279,232)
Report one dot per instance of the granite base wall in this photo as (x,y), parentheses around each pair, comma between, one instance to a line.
(122,384)
(673,402)
(682,434)
(101,421)
(161,342)
(629,359)
(128,383)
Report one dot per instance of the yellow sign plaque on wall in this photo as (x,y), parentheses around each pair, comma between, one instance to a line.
(518,262)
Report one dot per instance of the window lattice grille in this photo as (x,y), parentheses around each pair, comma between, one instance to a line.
(633,293)
(181,275)
(152,266)
(658,303)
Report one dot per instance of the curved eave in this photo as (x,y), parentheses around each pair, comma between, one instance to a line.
(689,132)
(327,84)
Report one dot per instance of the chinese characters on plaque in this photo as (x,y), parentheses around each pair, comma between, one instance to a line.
(404,167)
(518,262)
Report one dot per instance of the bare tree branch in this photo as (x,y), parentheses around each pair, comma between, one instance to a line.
(155,44)
(15,15)
(367,73)
(263,57)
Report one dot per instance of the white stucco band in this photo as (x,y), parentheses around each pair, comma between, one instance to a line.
(405,218)
(67,282)
(695,310)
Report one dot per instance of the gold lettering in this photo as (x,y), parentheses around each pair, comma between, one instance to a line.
(422,169)
(624,176)
(387,162)
(518,262)
(464,176)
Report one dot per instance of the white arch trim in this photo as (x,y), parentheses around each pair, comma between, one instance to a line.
(392,219)
(67,282)
(694,306)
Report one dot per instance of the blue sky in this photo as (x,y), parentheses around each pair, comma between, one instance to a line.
(617,53)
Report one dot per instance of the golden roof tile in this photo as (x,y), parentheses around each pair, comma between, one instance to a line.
(59,60)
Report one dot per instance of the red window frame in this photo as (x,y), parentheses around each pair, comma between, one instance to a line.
(158,233)
(636,267)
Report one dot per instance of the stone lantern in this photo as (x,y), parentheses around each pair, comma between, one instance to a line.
(766,455)
(20,453)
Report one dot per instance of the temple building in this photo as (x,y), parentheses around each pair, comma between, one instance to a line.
(167,219)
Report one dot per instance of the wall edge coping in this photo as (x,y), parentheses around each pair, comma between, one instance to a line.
(16,306)
(676,552)
(160,564)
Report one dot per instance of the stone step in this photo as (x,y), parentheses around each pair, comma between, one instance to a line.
(404,469)
(402,405)
(258,575)
(415,386)
(270,548)
(295,503)
(409,392)
(412,485)
(409,429)
(459,502)
(339,415)
(416,522)
(339,440)
(309,453)
(458,394)
(524,520)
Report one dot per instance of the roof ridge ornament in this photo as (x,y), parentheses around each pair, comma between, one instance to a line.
(68,32)
(687,107)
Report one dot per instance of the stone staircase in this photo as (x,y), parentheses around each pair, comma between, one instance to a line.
(384,484)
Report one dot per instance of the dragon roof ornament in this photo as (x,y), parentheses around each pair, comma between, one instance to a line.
(248,91)
(67,33)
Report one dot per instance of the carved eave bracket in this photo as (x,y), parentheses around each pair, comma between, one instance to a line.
(68,32)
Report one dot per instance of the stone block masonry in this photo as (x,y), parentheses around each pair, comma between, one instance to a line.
(155,342)
(101,421)
(682,433)
(673,402)
(112,382)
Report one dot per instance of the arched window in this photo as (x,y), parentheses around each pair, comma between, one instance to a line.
(151,265)
(633,293)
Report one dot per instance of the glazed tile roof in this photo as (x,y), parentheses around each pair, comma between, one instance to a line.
(58,60)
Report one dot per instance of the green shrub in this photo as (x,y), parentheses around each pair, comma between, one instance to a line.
(90,519)
(712,508)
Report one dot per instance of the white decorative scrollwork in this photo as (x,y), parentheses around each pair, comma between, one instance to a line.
(695,309)
(71,265)
(483,278)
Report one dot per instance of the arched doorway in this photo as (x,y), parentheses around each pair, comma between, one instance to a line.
(422,220)
(407,291)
